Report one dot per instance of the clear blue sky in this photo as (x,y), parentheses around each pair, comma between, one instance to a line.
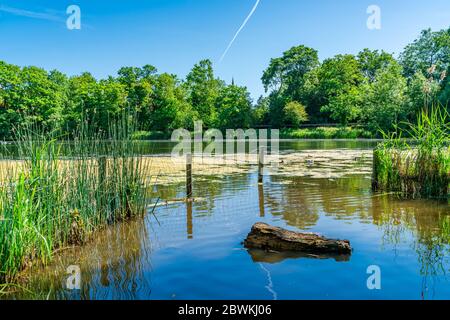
(174,34)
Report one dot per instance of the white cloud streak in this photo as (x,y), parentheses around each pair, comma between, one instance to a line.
(30,14)
(239,30)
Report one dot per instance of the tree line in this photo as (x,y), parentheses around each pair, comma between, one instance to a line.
(372,88)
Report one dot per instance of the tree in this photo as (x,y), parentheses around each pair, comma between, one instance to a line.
(203,90)
(29,95)
(10,113)
(295,113)
(286,74)
(372,61)
(385,98)
(110,100)
(420,92)
(261,111)
(431,51)
(139,84)
(234,108)
(337,91)
(286,77)
(170,110)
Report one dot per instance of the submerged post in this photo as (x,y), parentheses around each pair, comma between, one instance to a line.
(261,154)
(261,200)
(188,176)
(190,225)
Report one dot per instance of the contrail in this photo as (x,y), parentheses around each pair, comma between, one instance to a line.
(240,29)
(30,14)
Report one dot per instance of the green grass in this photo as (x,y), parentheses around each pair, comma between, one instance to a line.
(326,133)
(310,133)
(63,192)
(419,167)
(151,135)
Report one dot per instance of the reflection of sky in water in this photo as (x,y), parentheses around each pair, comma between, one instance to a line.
(195,251)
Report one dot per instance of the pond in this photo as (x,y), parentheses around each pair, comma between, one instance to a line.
(194,250)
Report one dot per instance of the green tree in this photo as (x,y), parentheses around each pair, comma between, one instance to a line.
(286,77)
(384,99)
(337,91)
(29,95)
(371,61)
(234,108)
(286,74)
(10,114)
(261,111)
(295,114)
(420,92)
(170,110)
(139,84)
(203,89)
(429,52)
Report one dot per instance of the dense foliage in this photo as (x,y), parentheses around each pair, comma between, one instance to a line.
(372,89)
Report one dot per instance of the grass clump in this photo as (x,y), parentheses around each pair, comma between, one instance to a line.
(58,193)
(419,167)
(326,133)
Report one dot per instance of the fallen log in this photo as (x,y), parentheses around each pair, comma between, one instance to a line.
(266,237)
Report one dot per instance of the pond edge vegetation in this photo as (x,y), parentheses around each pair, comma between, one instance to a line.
(420,166)
(60,193)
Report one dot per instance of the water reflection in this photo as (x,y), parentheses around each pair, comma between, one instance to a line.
(258,255)
(114,265)
(190,232)
(201,239)
(261,200)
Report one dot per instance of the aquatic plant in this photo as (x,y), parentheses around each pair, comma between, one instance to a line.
(57,191)
(418,167)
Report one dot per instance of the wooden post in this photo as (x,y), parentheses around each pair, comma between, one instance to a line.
(261,164)
(189,176)
(261,200)
(190,225)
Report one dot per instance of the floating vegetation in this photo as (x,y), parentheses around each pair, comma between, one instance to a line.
(419,168)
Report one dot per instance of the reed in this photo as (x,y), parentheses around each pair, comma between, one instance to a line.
(418,167)
(64,190)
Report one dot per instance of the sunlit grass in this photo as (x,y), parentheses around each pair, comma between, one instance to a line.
(59,193)
(419,167)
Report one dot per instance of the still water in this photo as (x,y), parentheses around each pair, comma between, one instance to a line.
(195,251)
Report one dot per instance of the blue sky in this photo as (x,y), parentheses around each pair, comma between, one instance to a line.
(174,34)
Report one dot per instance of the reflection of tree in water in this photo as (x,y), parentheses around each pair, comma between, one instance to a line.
(112,267)
(427,222)
(209,189)
(300,200)
(291,203)
(212,188)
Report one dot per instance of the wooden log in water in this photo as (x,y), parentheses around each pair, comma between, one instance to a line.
(264,236)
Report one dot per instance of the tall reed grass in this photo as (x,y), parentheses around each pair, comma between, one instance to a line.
(59,191)
(418,167)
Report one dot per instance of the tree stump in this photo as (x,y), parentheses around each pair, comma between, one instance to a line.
(266,237)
